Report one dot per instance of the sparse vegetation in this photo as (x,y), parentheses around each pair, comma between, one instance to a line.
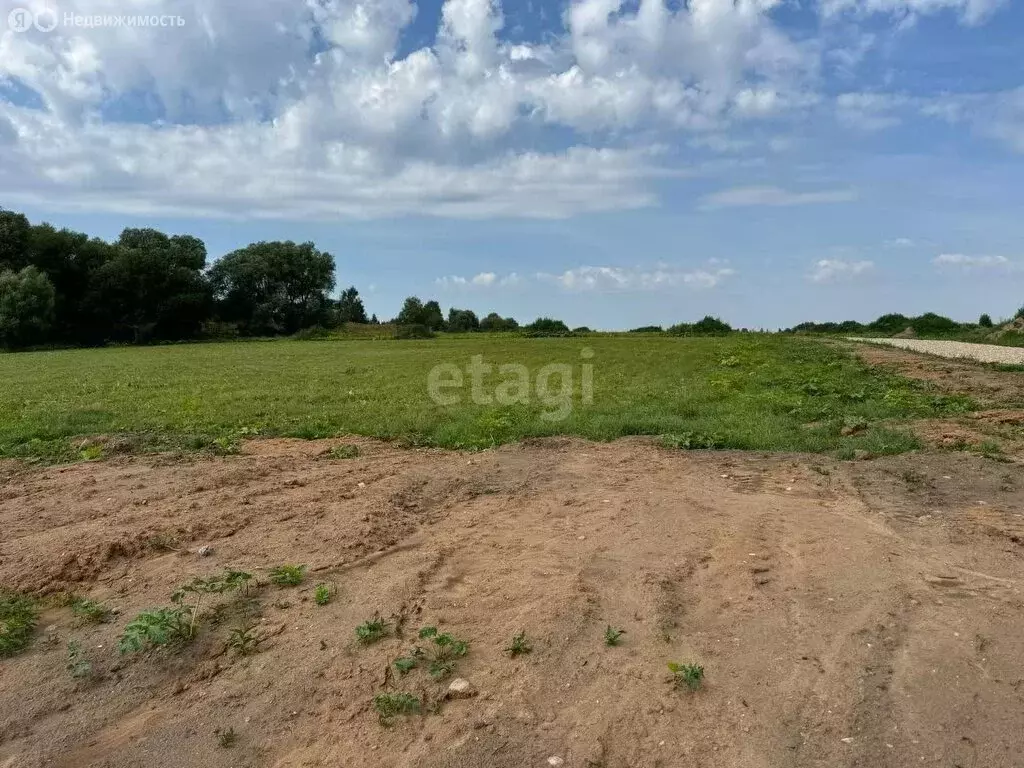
(439,656)
(77,665)
(226,738)
(18,617)
(343,452)
(288,575)
(689,675)
(157,627)
(520,644)
(613,636)
(322,594)
(243,640)
(167,626)
(371,631)
(392,705)
(90,610)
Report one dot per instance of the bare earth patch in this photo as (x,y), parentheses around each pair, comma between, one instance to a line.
(846,614)
(986,385)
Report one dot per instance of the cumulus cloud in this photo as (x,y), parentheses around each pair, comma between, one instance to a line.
(324,108)
(309,108)
(774,196)
(590,278)
(832,270)
(970,262)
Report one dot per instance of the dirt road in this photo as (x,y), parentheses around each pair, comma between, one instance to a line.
(846,614)
(983,353)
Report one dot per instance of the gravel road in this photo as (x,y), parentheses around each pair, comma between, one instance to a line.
(985,353)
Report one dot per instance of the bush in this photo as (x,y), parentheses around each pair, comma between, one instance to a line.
(495,322)
(648,329)
(890,324)
(985,321)
(311,334)
(931,323)
(413,331)
(462,320)
(582,329)
(546,326)
(708,326)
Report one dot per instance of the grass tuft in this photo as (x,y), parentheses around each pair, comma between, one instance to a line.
(18,617)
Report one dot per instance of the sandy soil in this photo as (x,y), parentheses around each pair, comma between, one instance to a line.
(847,614)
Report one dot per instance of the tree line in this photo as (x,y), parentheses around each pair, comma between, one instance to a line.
(61,287)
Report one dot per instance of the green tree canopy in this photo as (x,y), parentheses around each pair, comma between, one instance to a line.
(26,306)
(350,307)
(273,287)
(462,320)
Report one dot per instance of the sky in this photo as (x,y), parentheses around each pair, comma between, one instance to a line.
(610,164)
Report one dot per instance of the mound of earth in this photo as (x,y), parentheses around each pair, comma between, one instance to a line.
(845,614)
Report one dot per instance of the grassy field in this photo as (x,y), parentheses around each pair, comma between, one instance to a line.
(751,392)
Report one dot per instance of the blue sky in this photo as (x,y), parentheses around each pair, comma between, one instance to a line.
(610,164)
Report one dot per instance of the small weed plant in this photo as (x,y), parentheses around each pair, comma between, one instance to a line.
(77,665)
(288,575)
(18,617)
(243,640)
(90,611)
(439,656)
(613,636)
(392,705)
(689,675)
(322,594)
(170,625)
(369,632)
(226,739)
(157,627)
(520,644)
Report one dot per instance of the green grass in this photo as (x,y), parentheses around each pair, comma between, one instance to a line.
(18,617)
(743,391)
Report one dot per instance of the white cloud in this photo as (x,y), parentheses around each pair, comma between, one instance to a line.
(231,114)
(315,108)
(970,262)
(971,12)
(832,270)
(481,280)
(774,196)
(589,278)
(899,242)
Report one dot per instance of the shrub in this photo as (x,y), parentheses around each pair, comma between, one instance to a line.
(931,323)
(546,326)
(985,321)
(648,329)
(413,331)
(707,326)
(314,333)
(889,324)
(495,322)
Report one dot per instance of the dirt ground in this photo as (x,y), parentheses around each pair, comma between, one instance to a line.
(984,383)
(862,613)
